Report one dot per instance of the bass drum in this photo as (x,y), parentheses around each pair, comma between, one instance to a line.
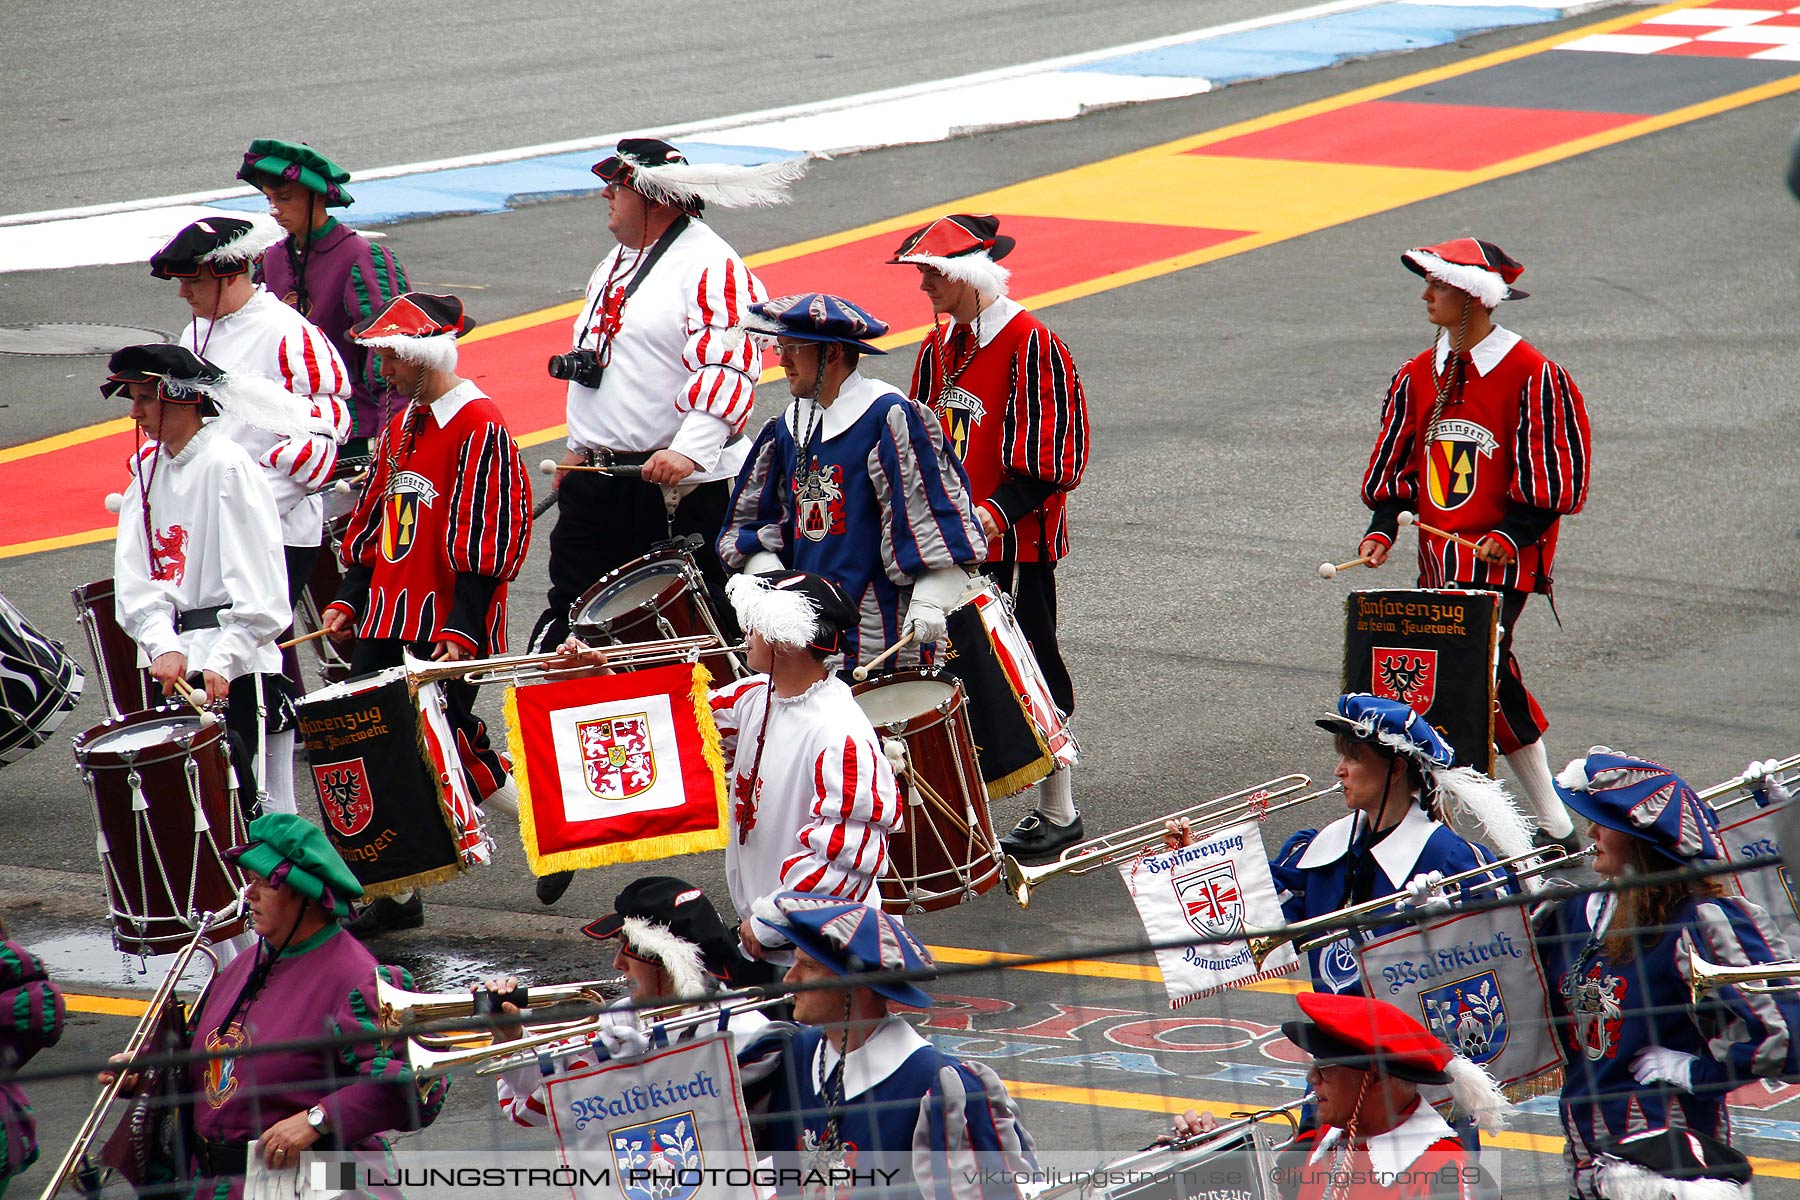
(39,685)
(124,686)
(947,853)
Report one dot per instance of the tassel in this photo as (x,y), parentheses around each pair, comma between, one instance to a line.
(139,803)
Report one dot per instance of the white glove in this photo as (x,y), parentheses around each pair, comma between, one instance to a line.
(771,930)
(762,562)
(623,1041)
(934,594)
(1659,1064)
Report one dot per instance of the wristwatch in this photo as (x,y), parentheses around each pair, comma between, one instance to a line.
(315,1116)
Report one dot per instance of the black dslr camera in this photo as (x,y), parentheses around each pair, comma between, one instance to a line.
(577,366)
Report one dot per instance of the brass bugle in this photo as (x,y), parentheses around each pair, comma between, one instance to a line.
(398,1006)
(431,1057)
(1210,1142)
(531,668)
(1770,770)
(1704,977)
(147,1025)
(1086,857)
(1448,889)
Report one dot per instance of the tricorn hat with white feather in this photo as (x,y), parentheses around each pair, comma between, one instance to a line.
(660,172)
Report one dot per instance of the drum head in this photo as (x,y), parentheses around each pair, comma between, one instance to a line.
(142,735)
(901,701)
(642,587)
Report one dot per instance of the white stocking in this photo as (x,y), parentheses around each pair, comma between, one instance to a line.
(1056,796)
(1531,765)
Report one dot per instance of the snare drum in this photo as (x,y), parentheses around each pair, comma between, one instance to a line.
(947,853)
(161,788)
(39,685)
(661,595)
(381,791)
(1011,714)
(126,687)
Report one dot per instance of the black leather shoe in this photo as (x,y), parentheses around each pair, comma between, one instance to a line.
(1570,842)
(550,888)
(387,916)
(1037,837)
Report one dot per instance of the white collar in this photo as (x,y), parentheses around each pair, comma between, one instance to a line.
(443,410)
(1397,852)
(881,1054)
(1392,1152)
(1487,352)
(855,396)
(992,319)
(193,445)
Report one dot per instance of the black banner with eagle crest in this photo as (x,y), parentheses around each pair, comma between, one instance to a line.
(1434,650)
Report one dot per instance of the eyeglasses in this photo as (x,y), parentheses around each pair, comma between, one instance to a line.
(790,349)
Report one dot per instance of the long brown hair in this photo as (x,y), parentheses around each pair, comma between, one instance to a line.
(1643,913)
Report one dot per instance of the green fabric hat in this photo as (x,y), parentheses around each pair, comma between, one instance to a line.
(298,163)
(285,848)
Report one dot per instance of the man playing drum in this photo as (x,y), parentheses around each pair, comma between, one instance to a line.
(442,527)
(852,481)
(201,581)
(1485,438)
(813,796)
(1012,406)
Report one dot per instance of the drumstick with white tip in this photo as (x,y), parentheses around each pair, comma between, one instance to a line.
(345,487)
(1412,519)
(1330,570)
(305,637)
(114,502)
(207,716)
(861,673)
(624,470)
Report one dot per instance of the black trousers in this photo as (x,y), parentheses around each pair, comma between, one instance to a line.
(1519,721)
(481,763)
(300,561)
(1032,586)
(603,522)
(241,731)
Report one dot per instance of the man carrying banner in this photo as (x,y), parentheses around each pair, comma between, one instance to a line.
(672,944)
(1637,1048)
(855,1084)
(852,481)
(1400,788)
(442,527)
(1485,438)
(1376,1138)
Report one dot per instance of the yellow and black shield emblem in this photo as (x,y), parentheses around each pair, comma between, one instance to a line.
(399,521)
(1450,474)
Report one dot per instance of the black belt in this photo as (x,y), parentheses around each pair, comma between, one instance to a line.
(199,618)
(221,1158)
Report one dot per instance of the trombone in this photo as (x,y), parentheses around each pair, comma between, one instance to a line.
(148,1025)
(1421,894)
(1704,977)
(431,1056)
(1744,781)
(399,1007)
(535,668)
(1211,1142)
(1083,858)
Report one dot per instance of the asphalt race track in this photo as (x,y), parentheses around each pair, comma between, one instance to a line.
(1233,405)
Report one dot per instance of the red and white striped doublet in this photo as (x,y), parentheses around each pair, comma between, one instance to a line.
(1509,456)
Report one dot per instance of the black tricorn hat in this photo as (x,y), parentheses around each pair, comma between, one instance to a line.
(181,376)
(217,246)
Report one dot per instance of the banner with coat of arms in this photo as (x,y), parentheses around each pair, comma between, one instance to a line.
(1476,982)
(670,1125)
(1432,649)
(1754,838)
(617,768)
(1217,887)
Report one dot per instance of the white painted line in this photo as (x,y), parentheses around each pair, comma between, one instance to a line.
(1779,54)
(1715,16)
(1768,35)
(1624,43)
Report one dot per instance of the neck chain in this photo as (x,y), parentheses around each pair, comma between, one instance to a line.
(947,376)
(1450,379)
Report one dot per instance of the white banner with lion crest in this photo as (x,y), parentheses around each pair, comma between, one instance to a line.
(1217,887)
(1474,979)
(667,1126)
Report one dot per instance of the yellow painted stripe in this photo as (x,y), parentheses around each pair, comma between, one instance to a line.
(1093,968)
(112,1006)
(62,441)
(62,542)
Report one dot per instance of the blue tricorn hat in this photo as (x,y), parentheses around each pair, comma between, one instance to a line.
(1644,799)
(850,937)
(1392,724)
(817,317)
